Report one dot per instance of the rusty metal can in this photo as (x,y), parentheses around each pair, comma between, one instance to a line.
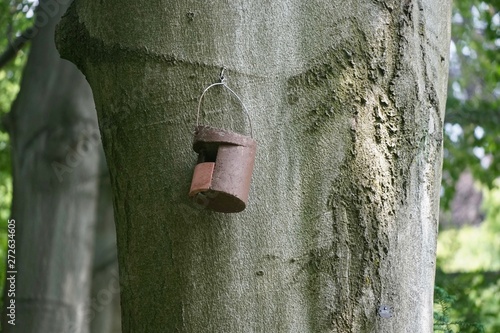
(222,177)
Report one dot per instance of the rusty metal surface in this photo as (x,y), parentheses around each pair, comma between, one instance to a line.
(204,135)
(218,201)
(202,178)
(232,173)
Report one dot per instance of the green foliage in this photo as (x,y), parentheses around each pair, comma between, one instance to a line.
(475,301)
(472,130)
(13,20)
(469,258)
(491,205)
(469,249)
(16,16)
(469,267)
(443,305)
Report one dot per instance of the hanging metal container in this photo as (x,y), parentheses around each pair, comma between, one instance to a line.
(222,176)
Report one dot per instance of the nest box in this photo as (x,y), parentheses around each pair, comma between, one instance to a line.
(222,175)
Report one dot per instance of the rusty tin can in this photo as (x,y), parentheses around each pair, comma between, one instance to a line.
(222,176)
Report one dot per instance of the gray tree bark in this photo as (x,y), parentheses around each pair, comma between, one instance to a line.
(58,169)
(347,100)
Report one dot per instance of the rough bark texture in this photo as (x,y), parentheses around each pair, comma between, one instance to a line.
(347,100)
(58,165)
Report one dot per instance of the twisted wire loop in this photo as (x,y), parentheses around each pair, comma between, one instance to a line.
(222,83)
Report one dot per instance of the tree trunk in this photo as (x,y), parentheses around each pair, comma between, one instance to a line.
(104,305)
(57,167)
(347,100)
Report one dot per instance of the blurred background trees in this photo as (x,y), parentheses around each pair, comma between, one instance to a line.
(468,273)
(67,278)
(468,263)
